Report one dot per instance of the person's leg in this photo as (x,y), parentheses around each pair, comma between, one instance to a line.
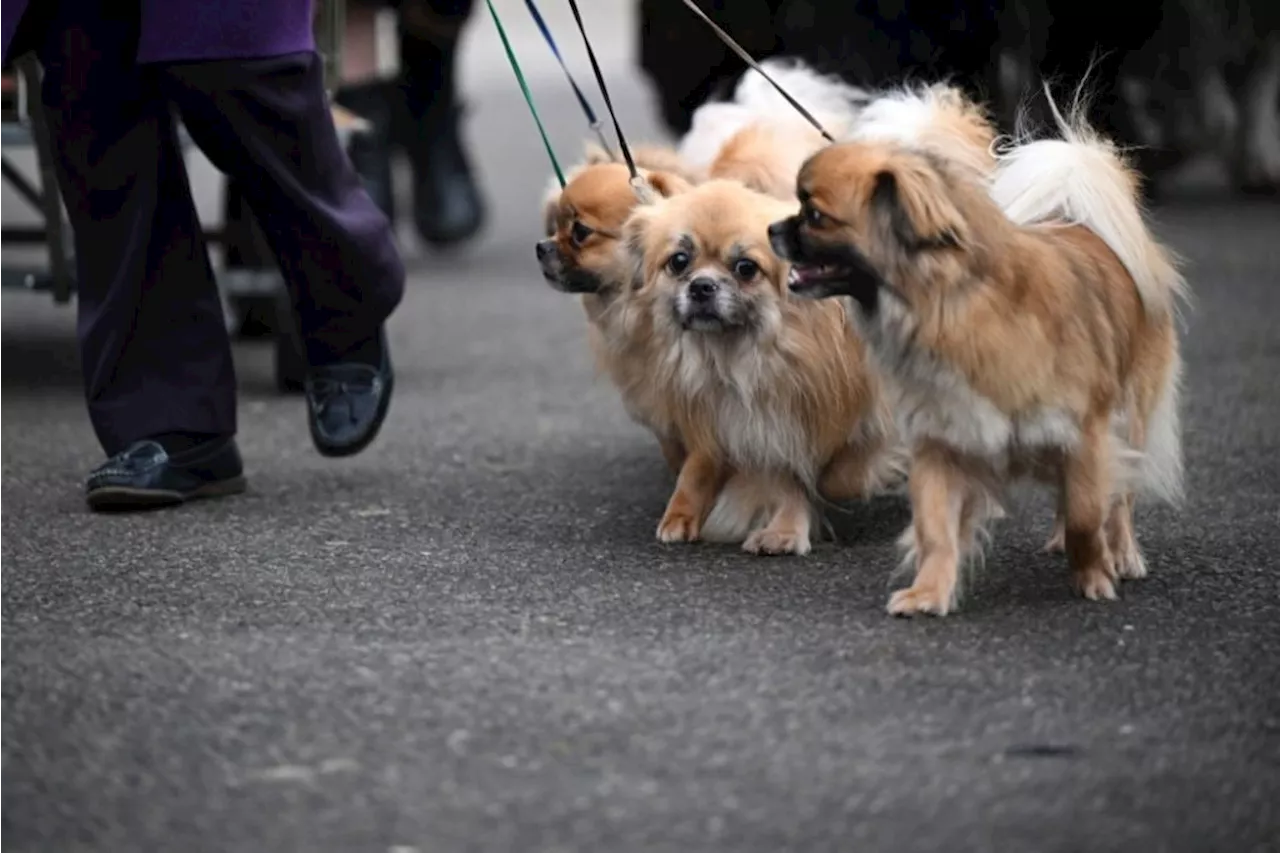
(373,98)
(448,208)
(267,124)
(153,341)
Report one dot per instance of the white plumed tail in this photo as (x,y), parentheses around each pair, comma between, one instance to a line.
(746,503)
(821,94)
(832,102)
(937,116)
(1082,179)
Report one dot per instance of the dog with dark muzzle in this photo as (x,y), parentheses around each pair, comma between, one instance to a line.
(581,256)
(1027,328)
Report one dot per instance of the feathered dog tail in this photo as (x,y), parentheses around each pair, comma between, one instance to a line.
(1083,179)
(831,100)
(827,96)
(747,502)
(743,504)
(938,116)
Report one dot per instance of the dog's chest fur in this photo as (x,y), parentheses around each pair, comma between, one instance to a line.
(932,401)
(735,387)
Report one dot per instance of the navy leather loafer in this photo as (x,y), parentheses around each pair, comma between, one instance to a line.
(347,403)
(146,476)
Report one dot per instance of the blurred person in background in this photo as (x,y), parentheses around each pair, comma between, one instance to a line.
(245,78)
(418,110)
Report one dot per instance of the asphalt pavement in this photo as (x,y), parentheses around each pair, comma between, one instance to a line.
(468,638)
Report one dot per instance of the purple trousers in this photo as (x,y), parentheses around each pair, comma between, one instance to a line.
(154,348)
(171,30)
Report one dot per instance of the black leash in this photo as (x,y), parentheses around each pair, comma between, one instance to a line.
(637,182)
(592,120)
(755,66)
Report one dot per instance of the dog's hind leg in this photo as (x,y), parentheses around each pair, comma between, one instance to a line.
(1123,541)
(1087,483)
(861,469)
(1152,421)
(1058,538)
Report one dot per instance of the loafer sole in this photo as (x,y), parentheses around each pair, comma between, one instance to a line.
(118,498)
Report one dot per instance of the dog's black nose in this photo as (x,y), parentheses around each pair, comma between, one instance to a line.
(702,289)
(779,228)
(545,247)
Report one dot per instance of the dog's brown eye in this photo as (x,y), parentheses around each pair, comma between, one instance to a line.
(745,269)
(579,234)
(813,216)
(678,263)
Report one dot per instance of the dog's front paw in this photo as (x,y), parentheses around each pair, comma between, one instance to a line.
(678,527)
(1057,540)
(1097,581)
(928,598)
(775,542)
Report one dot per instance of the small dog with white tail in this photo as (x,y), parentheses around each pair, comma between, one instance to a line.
(1028,324)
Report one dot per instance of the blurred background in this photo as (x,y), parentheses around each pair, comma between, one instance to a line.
(498,128)
(1192,87)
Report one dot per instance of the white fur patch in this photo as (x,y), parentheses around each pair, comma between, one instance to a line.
(756,436)
(754,433)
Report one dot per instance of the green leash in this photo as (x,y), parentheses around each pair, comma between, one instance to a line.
(524,87)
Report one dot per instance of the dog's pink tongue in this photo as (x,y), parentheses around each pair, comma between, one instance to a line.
(802,274)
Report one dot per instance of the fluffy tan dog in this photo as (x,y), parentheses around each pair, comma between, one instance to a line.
(753,380)
(581,257)
(1028,328)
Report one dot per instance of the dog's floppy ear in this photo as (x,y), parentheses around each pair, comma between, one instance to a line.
(550,208)
(635,239)
(667,184)
(914,200)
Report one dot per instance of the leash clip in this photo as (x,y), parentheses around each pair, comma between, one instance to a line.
(643,189)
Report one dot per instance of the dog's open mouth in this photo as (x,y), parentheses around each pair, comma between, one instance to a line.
(808,276)
(855,278)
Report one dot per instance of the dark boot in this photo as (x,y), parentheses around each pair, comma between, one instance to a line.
(447,208)
(370,152)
